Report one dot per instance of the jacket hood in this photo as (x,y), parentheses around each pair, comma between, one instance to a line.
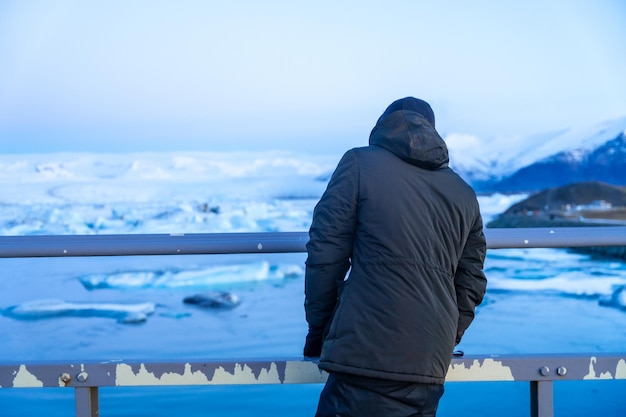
(407,130)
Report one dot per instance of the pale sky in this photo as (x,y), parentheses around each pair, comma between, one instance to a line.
(135,76)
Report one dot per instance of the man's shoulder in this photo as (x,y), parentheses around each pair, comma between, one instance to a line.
(370,150)
(361,153)
(461,181)
(359,150)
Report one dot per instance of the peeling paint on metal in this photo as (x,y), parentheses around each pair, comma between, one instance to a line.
(243,374)
(488,370)
(307,372)
(592,372)
(124,376)
(240,373)
(620,370)
(23,378)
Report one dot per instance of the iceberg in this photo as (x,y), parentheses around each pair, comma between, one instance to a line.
(617,299)
(214,300)
(209,277)
(40,309)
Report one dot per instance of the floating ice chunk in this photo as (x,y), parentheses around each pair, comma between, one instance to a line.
(289,271)
(39,309)
(616,299)
(217,275)
(133,318)
(217,300)
(573,284)
(119,280)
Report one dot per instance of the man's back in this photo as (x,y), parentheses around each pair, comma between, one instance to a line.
(409,232)
(397,315)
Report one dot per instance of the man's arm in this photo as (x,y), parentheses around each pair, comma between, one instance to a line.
(470,281)
(329,250)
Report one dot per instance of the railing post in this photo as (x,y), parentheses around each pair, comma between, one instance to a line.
(87,402)
(541,399)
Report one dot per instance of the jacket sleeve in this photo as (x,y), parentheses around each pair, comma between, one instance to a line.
(329,250)
(469,280)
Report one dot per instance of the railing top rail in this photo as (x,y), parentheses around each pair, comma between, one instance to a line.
(274,242)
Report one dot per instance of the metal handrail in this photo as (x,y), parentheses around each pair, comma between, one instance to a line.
(280,242)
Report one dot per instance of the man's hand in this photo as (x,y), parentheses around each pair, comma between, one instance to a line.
(313,343)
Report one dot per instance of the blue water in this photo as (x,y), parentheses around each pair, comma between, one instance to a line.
(269,322)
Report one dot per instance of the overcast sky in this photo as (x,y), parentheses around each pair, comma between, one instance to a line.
(127,76)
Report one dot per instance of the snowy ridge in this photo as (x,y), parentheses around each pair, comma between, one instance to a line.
(482,159)
(178,166)
(476,159)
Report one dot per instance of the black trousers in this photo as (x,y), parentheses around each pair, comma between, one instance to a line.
(355,396)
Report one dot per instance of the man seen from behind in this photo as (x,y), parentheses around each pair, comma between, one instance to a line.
(409,231)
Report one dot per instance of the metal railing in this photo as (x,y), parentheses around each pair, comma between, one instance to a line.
(540,371)
(283,242)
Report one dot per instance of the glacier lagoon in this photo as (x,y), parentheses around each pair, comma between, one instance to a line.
(102,308)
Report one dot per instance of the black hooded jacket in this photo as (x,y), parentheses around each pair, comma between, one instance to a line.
(410,232)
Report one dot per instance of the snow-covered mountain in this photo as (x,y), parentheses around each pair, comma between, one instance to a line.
(591,153)
(606,163)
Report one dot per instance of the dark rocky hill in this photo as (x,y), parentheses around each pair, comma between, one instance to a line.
(572,198)
(574,205)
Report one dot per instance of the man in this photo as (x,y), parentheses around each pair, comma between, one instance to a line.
(409,230)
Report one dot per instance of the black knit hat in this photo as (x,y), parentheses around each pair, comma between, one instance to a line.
(412,104)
